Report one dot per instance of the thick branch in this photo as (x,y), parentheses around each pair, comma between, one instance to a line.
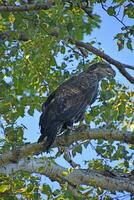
(104,179)
(21,36)
(121,67)
(30,7)
(80,134)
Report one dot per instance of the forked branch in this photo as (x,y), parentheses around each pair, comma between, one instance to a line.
(120,66)
(79,134)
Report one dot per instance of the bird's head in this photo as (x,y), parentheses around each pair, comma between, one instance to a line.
(102,70)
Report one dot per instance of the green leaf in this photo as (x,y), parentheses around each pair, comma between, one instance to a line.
(86,144)
(120,43)
(31,111)
(121,109)
(129,44)
(63,50)
(104,85)
(68,195)
(129,10)
(46,189)
(111,11)
(119,36)
(56,192)
(77,149)
(4,188)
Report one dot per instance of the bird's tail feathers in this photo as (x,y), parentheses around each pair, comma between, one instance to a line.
(41,138)
(51,134)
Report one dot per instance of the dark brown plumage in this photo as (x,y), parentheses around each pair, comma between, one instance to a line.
(67,104)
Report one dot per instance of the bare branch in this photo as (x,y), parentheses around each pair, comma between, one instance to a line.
(114,181)
(30,7)
(120,66)
(79,134)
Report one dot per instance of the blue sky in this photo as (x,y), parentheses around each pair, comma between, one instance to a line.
(109,28)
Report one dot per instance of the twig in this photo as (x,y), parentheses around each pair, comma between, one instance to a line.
(128,67)
(115,16)
(30,7)
(67,157)
(63,42)
(98,153)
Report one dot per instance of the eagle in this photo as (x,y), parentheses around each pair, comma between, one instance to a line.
(68,103)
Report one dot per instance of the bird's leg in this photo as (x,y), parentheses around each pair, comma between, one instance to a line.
(68,127)
(82,121)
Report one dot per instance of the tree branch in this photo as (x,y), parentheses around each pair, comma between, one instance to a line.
(79,134)
(104,179)
(13,35)
(21,36)
(120,66)
(30,7)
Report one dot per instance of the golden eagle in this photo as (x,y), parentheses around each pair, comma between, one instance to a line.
(68,103)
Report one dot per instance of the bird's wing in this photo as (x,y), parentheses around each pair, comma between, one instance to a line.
(69,100)
(67,104)
(45,105)
(48,101)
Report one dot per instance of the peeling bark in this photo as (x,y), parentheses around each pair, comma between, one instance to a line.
(79,134)
(76,177)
